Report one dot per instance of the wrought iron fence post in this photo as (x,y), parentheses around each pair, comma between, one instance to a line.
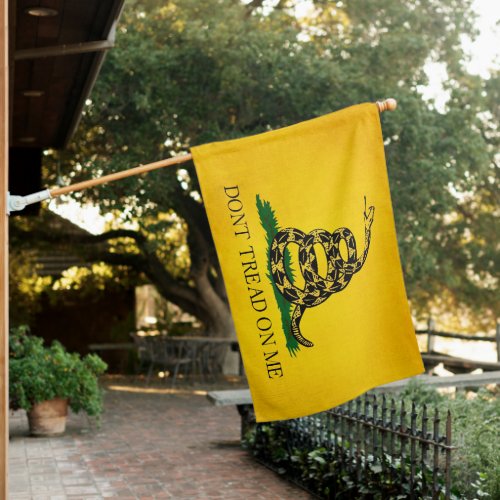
(392,434)
(448,456)
(248,422)
(383,432)
(413,444)
(357,432)
(424,448)
(402,430)
(350,432)
(435,468)
(375,447)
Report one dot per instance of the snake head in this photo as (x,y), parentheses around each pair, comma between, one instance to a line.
(369,216)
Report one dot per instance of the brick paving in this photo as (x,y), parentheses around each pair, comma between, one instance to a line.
(151,444)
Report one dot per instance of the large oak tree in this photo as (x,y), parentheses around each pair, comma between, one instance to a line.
(186,72)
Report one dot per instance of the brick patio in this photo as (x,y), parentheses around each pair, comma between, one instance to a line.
(157,444)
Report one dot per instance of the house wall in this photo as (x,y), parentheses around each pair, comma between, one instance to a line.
(77,320)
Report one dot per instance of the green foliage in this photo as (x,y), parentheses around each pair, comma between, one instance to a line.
(188,72)
(475,434)
(38,373)
(421,394)
(270,225)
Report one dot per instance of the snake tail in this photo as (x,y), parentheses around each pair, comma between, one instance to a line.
(296,317)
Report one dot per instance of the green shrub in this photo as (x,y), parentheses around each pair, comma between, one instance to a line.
(38,373)
(475,434)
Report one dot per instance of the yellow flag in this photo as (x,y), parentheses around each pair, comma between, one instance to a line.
(304,230)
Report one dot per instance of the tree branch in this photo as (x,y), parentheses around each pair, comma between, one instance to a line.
(118,233)
(181,294)
(135,261)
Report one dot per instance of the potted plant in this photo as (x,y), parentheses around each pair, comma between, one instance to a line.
(45,380)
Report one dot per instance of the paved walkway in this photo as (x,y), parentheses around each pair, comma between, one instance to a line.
(155,444)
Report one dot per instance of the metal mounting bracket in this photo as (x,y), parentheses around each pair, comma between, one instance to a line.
(16,203)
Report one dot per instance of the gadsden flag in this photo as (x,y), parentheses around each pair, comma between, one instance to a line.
(304,230)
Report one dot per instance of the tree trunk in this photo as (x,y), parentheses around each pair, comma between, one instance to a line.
(221,323)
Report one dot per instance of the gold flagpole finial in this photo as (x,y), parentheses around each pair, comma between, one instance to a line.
(387,105)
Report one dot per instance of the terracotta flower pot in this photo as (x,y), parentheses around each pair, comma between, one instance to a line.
(48,417)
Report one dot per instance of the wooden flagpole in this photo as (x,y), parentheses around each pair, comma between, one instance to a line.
(387,105)
(176,160)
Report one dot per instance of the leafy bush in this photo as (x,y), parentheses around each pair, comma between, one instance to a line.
(38,373)
(475,434)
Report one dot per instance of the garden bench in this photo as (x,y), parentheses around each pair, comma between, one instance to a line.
(240,398)
(231,397)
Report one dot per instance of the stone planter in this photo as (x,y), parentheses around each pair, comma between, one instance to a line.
(48,418)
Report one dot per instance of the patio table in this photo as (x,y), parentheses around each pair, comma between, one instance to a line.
(204,351)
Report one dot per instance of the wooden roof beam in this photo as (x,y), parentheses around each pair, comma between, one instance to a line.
(64,50)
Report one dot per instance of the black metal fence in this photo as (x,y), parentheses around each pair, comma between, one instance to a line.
(370,447)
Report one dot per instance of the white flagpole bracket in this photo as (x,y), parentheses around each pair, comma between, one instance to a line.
(16,203)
